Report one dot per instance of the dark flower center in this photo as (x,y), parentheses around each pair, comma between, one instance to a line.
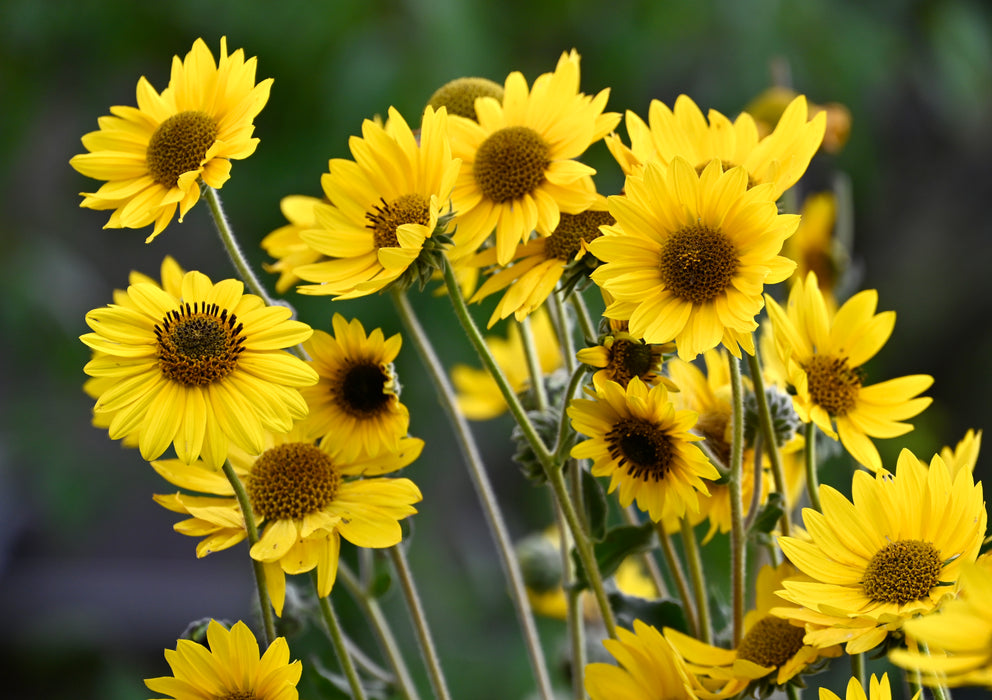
(902,572)
(629,359)
(179,145)
(460,94)
(365,390)
(832,384)
(288,481)
(771,641)
(510,163)
(199,343)
(698,263)
(385,219)
(566,240)
(640,445)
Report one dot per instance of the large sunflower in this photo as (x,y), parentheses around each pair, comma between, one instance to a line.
(823,353)
(643,444)
(518,168)
(383,207)
(894,551)
(650,669)
(689,255)
(230,668)
(154,157)
(199,370)
(305,497)
(355,402)
(779,158)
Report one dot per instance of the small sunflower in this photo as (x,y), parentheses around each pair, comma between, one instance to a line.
(518,168)
(230,668)
(355,402)
(779,158)
(620,357)
(286,244)
(650,669)
(771,653)
(814,246)
(690,254)
(479,397)
(199,370)
(385,209)
(824,353)
(643,444)
(305,497)
(153,157)
(878,689)
(458,96)
(894,551)
(539,263)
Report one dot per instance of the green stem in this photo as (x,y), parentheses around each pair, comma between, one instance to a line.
(681,583)
(561,443)
(792,691)
(768,433)
(940,692)
(812,480)
(480,480)
(574,618)
(738,570)
(537,388)
(564,332)
(337,639)
(427,648)
(230,243)
(585,320)
(268,619)
(387,642)
(858,668)
(695,563)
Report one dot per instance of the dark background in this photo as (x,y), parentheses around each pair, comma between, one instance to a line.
(93,582)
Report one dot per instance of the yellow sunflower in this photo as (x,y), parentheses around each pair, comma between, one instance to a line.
(539,263)
(479,397)
(199,370)
(355,402)
(518,168)
(620,356)
(769,106)
(650,669)
(305,497)
(458,96)
(814,247)
(965,453)
(230,668)
(384,210)
(958,637)
(779,158)
(643,444)
(690,254)
(286,244)
(877,690)
(770,645)
(153,157)
(894,551)
(824,351)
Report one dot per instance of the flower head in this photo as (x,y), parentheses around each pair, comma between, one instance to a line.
(230,668)
(643,444)
(199,369)
(690,254)
(894,551)
(153,157)
(518,168)
(286,244)
(458,96)
(384,212)
(823,353)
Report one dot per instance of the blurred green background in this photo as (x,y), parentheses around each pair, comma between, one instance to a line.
(94,583)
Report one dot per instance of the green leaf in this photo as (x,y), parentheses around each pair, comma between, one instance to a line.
(767,518)
(594,499)
(659,612)
(619,543)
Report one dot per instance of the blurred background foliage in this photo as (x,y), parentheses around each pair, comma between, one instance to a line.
(93,582)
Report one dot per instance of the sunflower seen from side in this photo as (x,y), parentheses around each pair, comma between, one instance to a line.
(286,243)
(154,157)
(519,171)
(200,371)
(894,551)
(639,440)
(304,498)
(823,352)
(690,254)
(385,218)
(229,667)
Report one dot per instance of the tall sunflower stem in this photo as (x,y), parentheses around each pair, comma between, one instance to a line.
(427,647)
(537,388)
(585,320)
(337,639)
(738,543)
(940,692)
(230,243)
(768,433)
(695,563)
(561,443)
(480,480)
(564,332)
(858,668)
(387,642)
(573,615)
(268,618)
(678,575)
(812,480)
(791,691)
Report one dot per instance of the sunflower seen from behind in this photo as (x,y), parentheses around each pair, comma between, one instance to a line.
(228,668)
(639,440)
(824,351)
(154,157)
(200,370)
(690,254)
